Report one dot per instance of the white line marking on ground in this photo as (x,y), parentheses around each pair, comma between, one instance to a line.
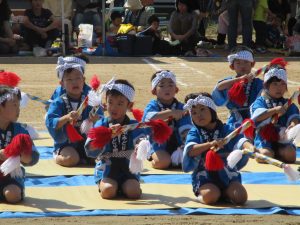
(196,70)
(294,82)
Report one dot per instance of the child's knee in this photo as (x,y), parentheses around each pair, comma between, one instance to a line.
(12,193)
(210,194)
(161,160)
(108,192)
(131,189)
(68,157)
(287,154)
(237,193)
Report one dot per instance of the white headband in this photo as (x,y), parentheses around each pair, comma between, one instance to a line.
(161,75)
(200,100)
(9,95)
(244,55)
(126,90)
(68,62)
(276,72)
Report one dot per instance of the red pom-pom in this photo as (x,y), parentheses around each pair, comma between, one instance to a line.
(237,94)
(100,136)
(213,161)
(73,134)
(137,114)
(269,133)
(278,61)
(20,143)
(249,132)
(9,79)
(161,130)
(95,82)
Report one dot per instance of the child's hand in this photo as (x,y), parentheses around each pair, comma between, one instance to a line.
(280,110)
(177,114)
(94,117)
(218,143)
(73,116)
(249,76)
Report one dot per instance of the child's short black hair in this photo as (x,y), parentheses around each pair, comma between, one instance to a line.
(240,48)
(271,80)
(114,15)
(5,90)
(152,19)
(114,92)
(214,116)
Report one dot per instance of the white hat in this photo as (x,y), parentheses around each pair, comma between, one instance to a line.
(133,5)
(276,72)
(200,100)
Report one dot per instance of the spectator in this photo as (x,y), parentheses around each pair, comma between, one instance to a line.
(203,9)
(138,13)
(259,24)
(159,46)
(116,20)
(8,43)
(275,37)
(88,12)
(245,8)
(183,25)
(55,7)
(283,9)
(40,26)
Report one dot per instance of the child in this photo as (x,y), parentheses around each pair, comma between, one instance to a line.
(40,25)
(116,20)
(112,170)
(80,59)
(275,37)
(12,188)
(159,46)
(267,106)
(165,107)
(63,110)
(206,133)
(241,61)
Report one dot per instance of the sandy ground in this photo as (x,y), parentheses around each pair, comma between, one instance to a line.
(193,75)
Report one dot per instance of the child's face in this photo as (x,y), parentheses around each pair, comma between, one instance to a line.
(117,106)
(155,25)
(182,7)
(73,83)
(117,21)
(277,89)
(201,115)
(165,90)
(241,67)
(11,110)
(37,4)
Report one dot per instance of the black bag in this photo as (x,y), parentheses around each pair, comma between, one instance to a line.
(134,45)
(125,44)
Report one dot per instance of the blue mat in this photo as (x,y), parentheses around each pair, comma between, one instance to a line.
(247,178)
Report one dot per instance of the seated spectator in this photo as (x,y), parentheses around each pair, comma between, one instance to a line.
(8,41)
(116,20)
(159,46)
(183,25)
(88,12)
(55,7)
(138,12)
(40,26)
(293,42)
(275,36)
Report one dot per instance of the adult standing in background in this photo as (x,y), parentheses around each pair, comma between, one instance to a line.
(245,8)
(8,42)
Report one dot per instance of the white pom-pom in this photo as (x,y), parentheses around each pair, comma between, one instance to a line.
(86,126)
(291,174)
(135,165)
(94,98)
(293,134)
(177,157)
(12,166)
(32,132)
(143,149)
(234,157)
(24,100)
